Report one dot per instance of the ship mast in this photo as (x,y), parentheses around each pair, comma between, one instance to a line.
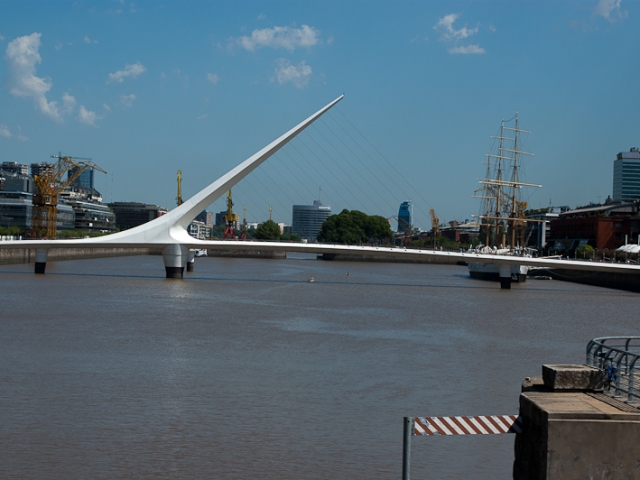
(504,212)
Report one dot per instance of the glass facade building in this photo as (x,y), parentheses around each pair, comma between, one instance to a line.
(626,176)
(308,219)
(405,216)
(85,179)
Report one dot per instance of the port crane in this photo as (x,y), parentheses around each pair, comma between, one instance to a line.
(49,185)
(179,197)
(435,227)
(230,219)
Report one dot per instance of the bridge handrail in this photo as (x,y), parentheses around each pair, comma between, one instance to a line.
(622,353)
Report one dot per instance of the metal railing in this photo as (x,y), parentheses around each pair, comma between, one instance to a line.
(618,357)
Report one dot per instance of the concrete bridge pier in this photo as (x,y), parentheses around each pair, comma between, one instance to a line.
(191,261)
(41,259)
(505,275)
(175,258)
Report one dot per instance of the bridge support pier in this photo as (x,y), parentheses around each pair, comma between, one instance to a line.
(41,260)
(505,276)
(191,261)
(175,258)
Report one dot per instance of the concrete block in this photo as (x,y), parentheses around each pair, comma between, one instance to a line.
(573,377)
(576,436)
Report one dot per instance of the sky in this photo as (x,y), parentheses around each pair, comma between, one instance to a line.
(148,88)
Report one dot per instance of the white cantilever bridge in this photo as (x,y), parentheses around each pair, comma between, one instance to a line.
(170,231)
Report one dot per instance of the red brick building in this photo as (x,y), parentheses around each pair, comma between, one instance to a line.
(601,226)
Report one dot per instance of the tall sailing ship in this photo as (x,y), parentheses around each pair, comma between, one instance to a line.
(502,218)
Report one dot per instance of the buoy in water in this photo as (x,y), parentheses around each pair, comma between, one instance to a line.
(311,280)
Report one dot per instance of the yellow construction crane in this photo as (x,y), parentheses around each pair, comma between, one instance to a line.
(49,185)
(435,226)
(230,218)
(179,199)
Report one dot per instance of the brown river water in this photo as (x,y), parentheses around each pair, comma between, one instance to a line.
(245,369)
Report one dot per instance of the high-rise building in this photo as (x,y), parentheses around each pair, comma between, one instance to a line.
(39,168)
(16,195)
(14,168)
(626,176)
(308,219)
(405,216)
(85,179)
(132,214)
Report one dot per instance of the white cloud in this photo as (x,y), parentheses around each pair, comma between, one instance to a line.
(611,10)
(127,100)
(286,72)
(106,107)
(1,38)
(467,49)
(22,56)
(203,116)
(213,78)
(68,103)
(6,133)
(445,28)
(129,71)
(88,40)
(280,37)
(449,34)
(87,117)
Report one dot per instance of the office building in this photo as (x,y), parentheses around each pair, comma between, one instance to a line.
(626,176)
(16,201)
(308,219)
(405,216)
(39,168)
(132,214)
(85,179)
(206,218)
(14,168)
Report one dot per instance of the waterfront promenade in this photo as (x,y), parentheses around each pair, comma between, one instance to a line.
(247,370)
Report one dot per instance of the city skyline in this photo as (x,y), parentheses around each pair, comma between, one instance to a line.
(148,88)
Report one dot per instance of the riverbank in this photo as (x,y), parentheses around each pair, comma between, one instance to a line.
(619,281)
(240,253)
(28,255)
(388,258)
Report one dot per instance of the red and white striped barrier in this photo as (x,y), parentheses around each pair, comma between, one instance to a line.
(479,425)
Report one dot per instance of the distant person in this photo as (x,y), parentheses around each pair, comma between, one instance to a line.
(611,376)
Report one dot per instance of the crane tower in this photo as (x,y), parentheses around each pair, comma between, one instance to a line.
(230,219)
(179,198)
(49,185)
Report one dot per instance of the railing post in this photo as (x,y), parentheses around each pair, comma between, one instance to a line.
(618,374)
(630,394)
(406,447)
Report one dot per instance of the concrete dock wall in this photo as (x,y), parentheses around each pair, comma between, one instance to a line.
(246,253)
(620,281)
(28,255)
(343,257)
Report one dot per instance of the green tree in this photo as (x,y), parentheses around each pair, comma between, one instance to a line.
(585,251)
(354,227)
(289,237)
(268,230)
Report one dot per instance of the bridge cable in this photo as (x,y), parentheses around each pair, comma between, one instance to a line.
(345,159)
(381,155)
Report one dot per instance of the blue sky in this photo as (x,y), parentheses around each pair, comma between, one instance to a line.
(147,88)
